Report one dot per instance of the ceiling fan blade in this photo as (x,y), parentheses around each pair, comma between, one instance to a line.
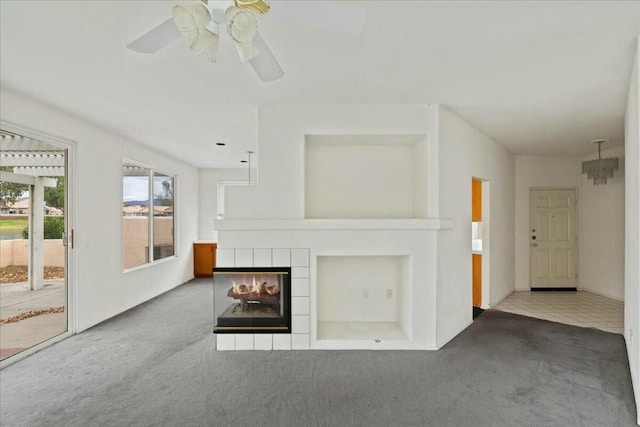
(265,64)
(331,16)
(157,38)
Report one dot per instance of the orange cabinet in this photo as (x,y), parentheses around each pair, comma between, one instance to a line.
(204,259)
(477,280)
(476,200)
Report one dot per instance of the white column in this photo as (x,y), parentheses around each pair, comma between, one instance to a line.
(36,234)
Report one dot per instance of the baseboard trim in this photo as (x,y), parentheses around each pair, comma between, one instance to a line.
(453,335)
(502,299)
(601,294)
(555,289)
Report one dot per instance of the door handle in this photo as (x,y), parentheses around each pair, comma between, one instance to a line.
(534,245)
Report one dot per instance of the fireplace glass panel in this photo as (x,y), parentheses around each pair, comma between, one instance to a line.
(252,300)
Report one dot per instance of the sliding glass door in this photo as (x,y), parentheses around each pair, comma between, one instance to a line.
(33,243)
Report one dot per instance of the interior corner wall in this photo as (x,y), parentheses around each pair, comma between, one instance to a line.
(601,240)
(466,153)
(632,228)
(103,289)
(537,172)
(208,197)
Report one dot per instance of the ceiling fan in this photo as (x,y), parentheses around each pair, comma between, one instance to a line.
(201,24)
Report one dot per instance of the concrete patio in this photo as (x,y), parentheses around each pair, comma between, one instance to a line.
(16,298)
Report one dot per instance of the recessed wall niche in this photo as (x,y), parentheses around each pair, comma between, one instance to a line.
(363,298)
(365,176)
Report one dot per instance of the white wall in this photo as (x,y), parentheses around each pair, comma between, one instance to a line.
(282,131)
(208,201)
(359,180)
(465,153)
(632,227)
(601,239)
(103,290)
(353,288)
(538,172)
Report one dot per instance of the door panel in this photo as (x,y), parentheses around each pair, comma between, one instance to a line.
(563,257)
(552,238)
(563,224)
(543,225)
(542,266)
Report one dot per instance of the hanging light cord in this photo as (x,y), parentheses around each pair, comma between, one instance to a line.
(599,147)
(249,166)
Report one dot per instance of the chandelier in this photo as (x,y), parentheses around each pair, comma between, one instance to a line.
(600,169)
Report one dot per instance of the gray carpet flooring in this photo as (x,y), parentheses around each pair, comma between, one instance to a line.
(157,365)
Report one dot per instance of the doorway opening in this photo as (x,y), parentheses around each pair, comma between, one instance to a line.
(34,243)
(553,251)
(479,245)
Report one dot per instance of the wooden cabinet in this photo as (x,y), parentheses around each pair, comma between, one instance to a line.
(476,200)
(477,280)
(204,259)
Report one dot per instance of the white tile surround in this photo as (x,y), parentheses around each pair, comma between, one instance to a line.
(298,260)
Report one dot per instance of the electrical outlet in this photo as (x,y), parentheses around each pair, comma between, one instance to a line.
(389,294)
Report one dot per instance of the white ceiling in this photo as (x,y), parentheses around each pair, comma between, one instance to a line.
(538,77)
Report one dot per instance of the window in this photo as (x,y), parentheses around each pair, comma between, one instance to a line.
(145,190)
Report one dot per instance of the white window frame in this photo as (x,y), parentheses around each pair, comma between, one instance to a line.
(152,172)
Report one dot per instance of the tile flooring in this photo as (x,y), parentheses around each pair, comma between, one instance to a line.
(573,308)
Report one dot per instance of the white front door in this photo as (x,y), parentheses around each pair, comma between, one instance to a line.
(552,238)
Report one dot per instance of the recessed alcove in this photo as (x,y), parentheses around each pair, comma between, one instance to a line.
(365,176)
(363,298)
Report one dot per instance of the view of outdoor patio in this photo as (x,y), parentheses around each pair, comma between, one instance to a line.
(33,289)
(28,317)
(33,261)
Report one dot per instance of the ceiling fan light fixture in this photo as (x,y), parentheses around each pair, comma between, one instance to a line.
(191,20)
(194,21)
(206,46)
(241,24)
(259,6)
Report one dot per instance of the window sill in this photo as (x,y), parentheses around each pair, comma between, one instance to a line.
(149,264)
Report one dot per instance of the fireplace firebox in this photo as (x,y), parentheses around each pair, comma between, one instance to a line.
(252,300)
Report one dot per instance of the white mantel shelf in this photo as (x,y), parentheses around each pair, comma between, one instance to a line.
(333,224)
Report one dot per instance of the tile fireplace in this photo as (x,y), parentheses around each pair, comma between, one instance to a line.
(252,300)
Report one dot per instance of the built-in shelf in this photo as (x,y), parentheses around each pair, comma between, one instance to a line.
(355,331)
(365,176)
(335,224)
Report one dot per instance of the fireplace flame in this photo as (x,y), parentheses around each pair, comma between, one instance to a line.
(256,287)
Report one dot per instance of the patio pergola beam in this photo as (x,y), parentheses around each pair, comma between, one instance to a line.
(18,178)
(32,159)
(39,171)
